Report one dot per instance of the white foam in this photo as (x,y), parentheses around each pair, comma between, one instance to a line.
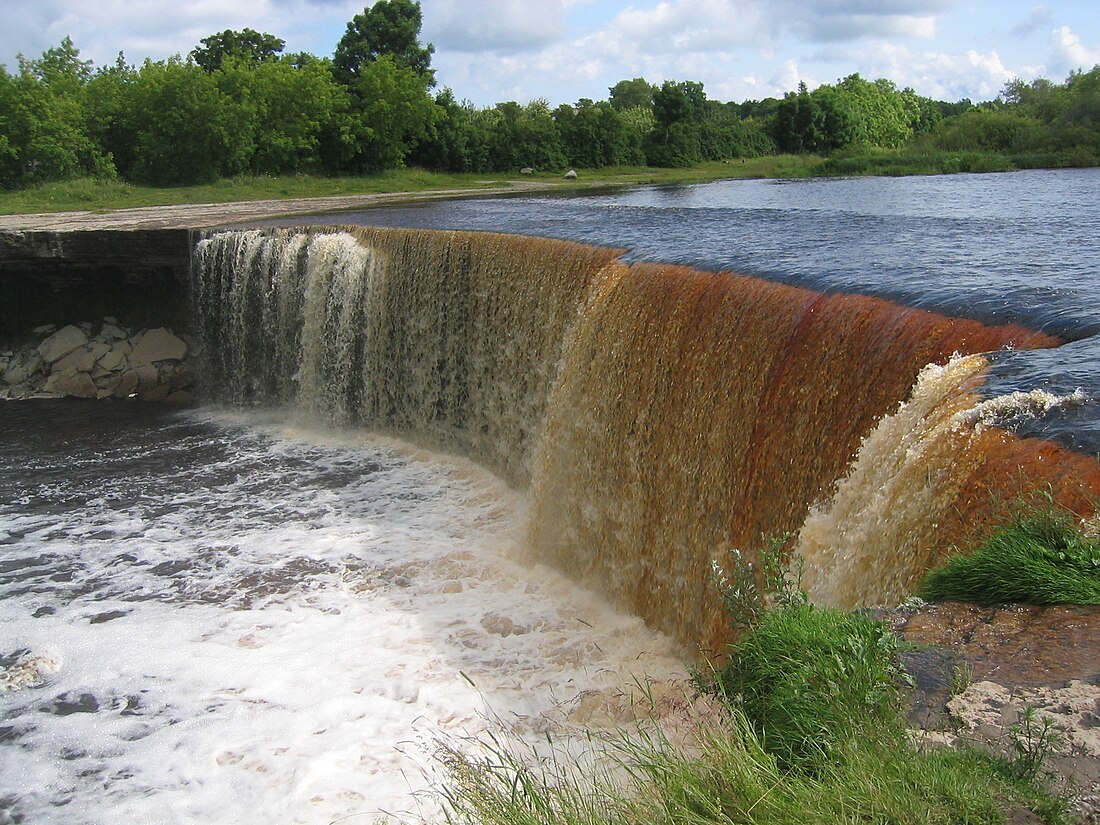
(244,643)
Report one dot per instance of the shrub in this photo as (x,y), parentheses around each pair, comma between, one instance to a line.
(1040,557)
(812,681)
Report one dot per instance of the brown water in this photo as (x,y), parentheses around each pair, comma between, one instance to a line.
(661,416)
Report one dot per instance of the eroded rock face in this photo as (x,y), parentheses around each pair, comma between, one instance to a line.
(99,360)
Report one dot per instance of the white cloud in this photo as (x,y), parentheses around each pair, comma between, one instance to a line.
(939,75)
(502,26)
(1070,53)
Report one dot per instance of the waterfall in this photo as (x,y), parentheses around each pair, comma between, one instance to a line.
(660,416)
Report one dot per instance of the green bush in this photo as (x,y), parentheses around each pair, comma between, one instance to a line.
(1040,557)
(813,681)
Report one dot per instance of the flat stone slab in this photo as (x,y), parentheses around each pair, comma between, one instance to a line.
(206,215)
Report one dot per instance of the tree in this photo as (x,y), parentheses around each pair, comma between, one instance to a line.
(42,128)
(190,131)
(108,112)
(389,27)
(392,114)
(246,44)
(627,94)
(593,135)
(678,111)
(286,109)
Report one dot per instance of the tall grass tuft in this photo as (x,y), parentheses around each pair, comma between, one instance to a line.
(815,682)
(1040,557)
(725,775)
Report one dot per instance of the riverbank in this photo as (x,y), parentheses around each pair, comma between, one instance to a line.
(298,194)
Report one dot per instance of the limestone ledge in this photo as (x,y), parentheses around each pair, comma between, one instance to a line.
(99,360)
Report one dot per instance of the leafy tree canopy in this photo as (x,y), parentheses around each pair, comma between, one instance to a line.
(389,27)
(249,44)
(626,94)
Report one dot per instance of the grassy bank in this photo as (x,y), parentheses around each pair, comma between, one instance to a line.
(804,726)
(104,195)
(805,723)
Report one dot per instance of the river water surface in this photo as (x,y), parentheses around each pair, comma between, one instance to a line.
(209,616)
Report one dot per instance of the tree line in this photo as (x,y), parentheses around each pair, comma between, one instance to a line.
(238,104)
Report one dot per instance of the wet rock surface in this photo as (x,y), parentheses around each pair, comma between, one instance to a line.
(1014,679)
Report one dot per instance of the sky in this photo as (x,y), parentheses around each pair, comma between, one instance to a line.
(489,51)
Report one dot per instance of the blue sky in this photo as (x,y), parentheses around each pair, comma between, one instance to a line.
(489,51)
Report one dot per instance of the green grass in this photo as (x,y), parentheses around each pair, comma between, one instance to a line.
(804,726)
(1039,557)
(726,775)
(104,195)
(815,682)
(903,162)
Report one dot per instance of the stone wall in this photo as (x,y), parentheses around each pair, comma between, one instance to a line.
(99,360)
(140,277)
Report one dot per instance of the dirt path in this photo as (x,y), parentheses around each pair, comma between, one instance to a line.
(199,215)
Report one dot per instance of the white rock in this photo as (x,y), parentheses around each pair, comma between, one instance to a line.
(111,331)
(158,345)
(61,343)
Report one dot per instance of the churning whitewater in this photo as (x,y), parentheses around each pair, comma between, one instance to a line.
(216,618)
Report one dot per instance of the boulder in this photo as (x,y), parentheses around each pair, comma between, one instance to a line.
(527,170)
(158,345)
(158,392)
(127,384)
(24,365)
(111,331)
(71,382)
(81,360)
(61,343)
(113,360)
(147,376)
(571,174)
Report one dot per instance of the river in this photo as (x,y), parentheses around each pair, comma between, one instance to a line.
(249,615)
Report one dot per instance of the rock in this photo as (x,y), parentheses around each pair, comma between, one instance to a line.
(571,174)
(158,345)
(158,392)
(61,343)
(113,360)
(147,376)
(45,329)
(110,330)
(71,382)
(183,378)
(80,360)
(527,170)
(23,366)
(179,397)
(127,384)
